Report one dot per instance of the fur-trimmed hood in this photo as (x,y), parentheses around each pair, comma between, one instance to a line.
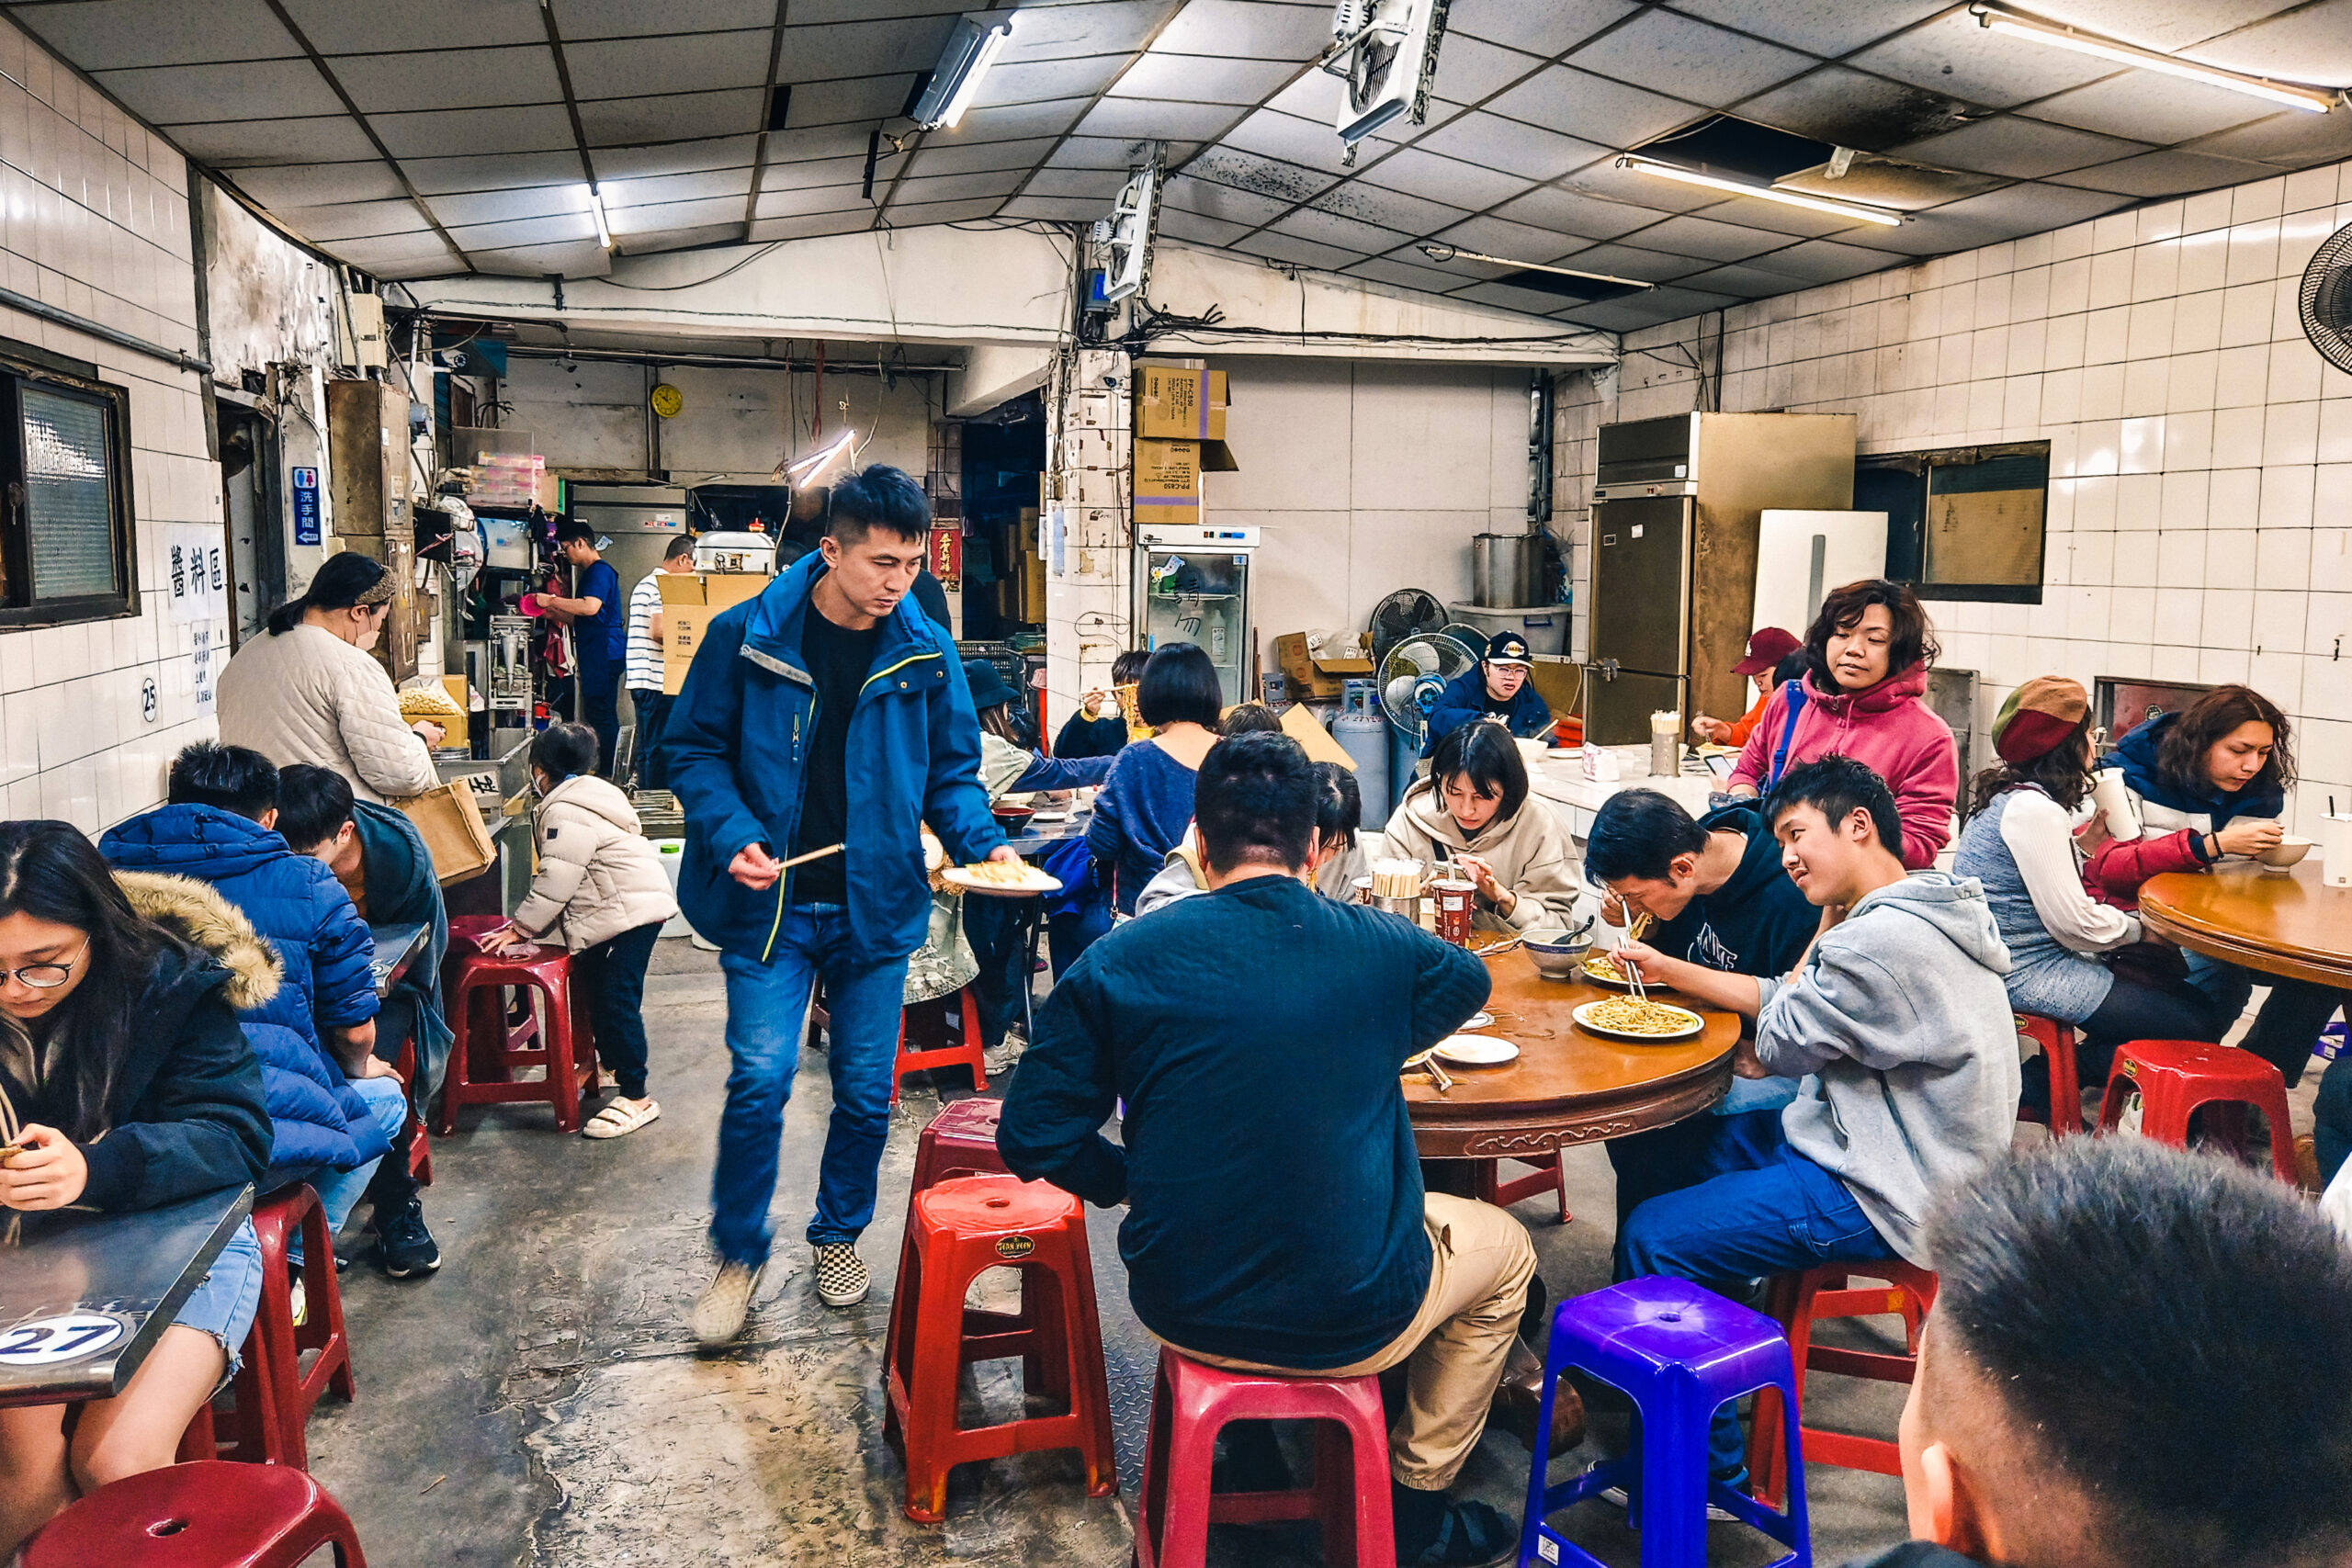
(197,913)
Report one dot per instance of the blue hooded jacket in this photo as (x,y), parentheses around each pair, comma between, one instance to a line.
(1464,699)
(293,903)
(2137,754)
(737,740)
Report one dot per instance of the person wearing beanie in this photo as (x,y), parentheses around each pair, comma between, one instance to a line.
(1767,649)
(2071,958)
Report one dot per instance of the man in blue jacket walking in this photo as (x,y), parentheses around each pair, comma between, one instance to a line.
(827,719)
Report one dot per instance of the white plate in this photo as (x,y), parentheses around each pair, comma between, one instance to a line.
(1036,882)
(1474,1051)
(1478,1020)
(1696,1027)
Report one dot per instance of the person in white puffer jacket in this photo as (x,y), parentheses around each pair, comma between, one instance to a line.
(601,893)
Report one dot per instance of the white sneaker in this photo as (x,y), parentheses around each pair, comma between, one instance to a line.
(842,1280)
(1615,1498)
(719,1312)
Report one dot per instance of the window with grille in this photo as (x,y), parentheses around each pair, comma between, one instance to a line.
(65,528)
(1962,523)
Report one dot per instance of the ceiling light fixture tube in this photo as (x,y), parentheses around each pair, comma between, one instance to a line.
(815,463)
(1438,251)
(597,210)
(972,48)
(2315,100)
(1642,166)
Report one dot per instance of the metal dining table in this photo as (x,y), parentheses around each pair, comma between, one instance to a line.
(397,946)
(84,1297)
(1035,838)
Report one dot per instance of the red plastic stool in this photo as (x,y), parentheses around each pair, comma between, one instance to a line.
(2176,1077)
(965,1052)
(2057,1042)
(487,1052)
(279,1343)
(1548,1177)
(420,1148)
(1800,1300)
(959,1141)
(206,1515)
(1191,1403)
(964,1227)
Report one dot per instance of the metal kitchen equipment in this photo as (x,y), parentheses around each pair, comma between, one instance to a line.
(1676,503)
(736,553)
(1192,585)
(1507,570)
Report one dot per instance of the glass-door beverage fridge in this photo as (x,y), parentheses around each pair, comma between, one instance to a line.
(1192,585)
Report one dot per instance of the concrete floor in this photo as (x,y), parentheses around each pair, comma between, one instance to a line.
(538,1402)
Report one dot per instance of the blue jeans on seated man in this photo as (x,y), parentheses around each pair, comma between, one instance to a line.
(339,1190)
(767,1014)
(2286,1028)
(1741,1204)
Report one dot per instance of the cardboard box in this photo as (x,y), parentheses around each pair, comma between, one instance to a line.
(1310,677)
(1180,400)
(1300,723)
(1168,478)
(454,835)
(689,601)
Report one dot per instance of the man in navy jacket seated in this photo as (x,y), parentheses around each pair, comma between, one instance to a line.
(1498,689)
(1276,1218)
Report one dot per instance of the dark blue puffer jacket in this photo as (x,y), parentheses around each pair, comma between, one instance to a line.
(264,898)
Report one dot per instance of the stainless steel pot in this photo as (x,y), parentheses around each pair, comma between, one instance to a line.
(1507,570)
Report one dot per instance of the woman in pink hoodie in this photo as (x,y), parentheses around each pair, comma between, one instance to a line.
(1866,673)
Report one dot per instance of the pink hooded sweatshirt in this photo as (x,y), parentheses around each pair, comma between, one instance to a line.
(1887,727)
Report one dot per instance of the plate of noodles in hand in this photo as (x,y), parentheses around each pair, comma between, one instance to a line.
(1601,969)
(1001,879)
(1639,1022)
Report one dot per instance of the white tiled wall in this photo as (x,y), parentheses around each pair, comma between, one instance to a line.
(2201,492)
(94,218)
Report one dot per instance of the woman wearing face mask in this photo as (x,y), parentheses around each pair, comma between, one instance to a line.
(1862,696)
(1474,812)
(125,1084)
(2209,784)
(309,693)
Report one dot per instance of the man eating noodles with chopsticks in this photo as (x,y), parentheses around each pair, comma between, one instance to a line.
(820,724)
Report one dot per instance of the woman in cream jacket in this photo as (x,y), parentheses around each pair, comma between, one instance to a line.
(1474,810)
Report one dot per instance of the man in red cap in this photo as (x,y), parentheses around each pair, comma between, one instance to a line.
(1766,649)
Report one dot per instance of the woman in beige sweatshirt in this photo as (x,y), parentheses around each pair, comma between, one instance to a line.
(1474,810)
(307,690)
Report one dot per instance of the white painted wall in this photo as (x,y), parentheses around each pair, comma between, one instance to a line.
(98,224)
(2201,497)
(1367,476)
(267,302)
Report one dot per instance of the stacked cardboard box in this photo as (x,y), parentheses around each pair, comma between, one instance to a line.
(689,603)
(1180,435)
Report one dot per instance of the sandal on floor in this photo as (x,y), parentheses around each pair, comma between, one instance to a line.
(620,1117)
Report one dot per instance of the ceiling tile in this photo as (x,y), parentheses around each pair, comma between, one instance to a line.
(401,256)
(1154,116)
(702,185)
(470,208)
(819,198)
(1668,54)
(558,228)
(353,219)
(2021,149)
(2167,25)
(1513,241)
(1690,236)
(573,258)
(728,231)
(822,171)
(1826,261)
(107,35)
(679,157)
(1064,209)
(816,142)
(1314,96)
(1538,26)
(1954,54)
(2171,173)
(1633,189)
(939,159)
(1330,228)
(1285,183)
(2290,139)
(1099,186)
(1039,81)
(2147,106)
(837,103)
(1247,30)
(1510,145)
(1996,215)
(342,27)
(1299,253)
(996,185)
(1507,297)
(648,218)
(1105,151)
(1233,204)
(1571,213)
(625,18)
(1013,123)
(810,225)
(2310,43)
(1852,108)
(1826,28)
(1632,261)
(689,62)
(313,185)
(1388,209)
(1277,135)
(863,49)
(1469,69)
(448,79)
(1400,274)
(1600,110)
(180,95)
(1180,224)
(943,212)
(542,128)
(506,171)
(1435,178)
(1192,78)
(231,144)
(1101,26)
(1742,281)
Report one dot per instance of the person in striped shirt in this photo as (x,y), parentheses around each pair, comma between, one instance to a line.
(642,674)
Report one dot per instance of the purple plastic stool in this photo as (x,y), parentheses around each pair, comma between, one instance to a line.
(1678,1351)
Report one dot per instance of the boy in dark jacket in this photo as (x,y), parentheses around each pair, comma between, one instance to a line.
(217,827)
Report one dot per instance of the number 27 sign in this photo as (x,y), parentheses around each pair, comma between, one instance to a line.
(54,1341)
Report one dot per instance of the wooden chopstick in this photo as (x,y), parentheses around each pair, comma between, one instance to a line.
(812,854)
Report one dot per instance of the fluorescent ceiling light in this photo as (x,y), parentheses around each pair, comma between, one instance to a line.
(2317,100)
(597,210)
(1642,166)
(972,48)
(1438,251)
(804,468)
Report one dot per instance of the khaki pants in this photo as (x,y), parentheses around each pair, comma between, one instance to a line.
(1480,1261)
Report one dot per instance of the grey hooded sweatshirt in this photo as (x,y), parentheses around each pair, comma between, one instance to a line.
(1902,1018)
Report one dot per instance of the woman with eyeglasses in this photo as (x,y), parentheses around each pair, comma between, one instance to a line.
(125,1084)
(2071,958)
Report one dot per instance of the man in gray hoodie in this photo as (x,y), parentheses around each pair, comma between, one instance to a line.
(1898,1022)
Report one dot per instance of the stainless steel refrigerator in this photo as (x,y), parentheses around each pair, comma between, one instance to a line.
(1191,584)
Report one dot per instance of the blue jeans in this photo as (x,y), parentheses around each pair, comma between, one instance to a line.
(1745,1205)
(2332,1127)
(767,1013)
(339,1190)
(2286,1028)
(228,1299)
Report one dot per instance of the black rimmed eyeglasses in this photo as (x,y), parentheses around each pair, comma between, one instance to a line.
(46,977)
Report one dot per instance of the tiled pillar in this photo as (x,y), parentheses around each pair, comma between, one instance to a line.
(1090,461)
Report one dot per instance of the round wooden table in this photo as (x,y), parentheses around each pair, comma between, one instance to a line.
(1565,1086)
(2292,925)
